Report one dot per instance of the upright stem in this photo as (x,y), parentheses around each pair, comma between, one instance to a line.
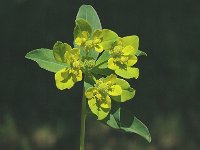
(83,119)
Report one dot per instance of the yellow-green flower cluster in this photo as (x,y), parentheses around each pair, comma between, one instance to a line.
(122,57)
(83,40)
(67,77)
(98,96)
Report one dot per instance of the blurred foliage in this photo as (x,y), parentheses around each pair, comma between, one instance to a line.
(34,115)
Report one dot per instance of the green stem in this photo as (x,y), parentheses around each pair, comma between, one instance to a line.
(83,119)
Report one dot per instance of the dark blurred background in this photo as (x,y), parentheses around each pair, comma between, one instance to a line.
(34,115)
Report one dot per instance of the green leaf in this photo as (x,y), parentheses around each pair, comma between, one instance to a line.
(81,25)
(140,53)
(45,59)
(127,92)
(89,14)
(126,122)
(102,61)
(112,122)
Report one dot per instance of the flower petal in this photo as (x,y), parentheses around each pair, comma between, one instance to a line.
(131,40)
(115,90)
(59,50)
(64,79)
(98,48)
(109,37)
(128,50)
(106,103)
(79,76)
(97,34)
(111,64)
(78,41)
(90,92)
(132,59)
(128,73)
(112,78)
(101,113)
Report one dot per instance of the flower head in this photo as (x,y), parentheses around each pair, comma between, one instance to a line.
(98,96)
(123,57)
(99,40)
(67,77)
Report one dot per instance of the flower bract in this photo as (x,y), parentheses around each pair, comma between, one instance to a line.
(99,40)
(98,96)
(123,57)
(67,77)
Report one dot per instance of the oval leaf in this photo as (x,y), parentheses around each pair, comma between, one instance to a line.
(89,14)
(81,25)
(125,122)
(45,59)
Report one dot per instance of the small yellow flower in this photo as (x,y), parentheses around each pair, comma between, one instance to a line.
(123,57)
(98,96)
(82,38)
(98,40)
(67,77)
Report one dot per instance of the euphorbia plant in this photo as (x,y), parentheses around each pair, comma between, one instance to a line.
(103,61)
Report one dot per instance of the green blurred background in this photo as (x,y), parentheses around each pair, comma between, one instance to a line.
(34,115)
